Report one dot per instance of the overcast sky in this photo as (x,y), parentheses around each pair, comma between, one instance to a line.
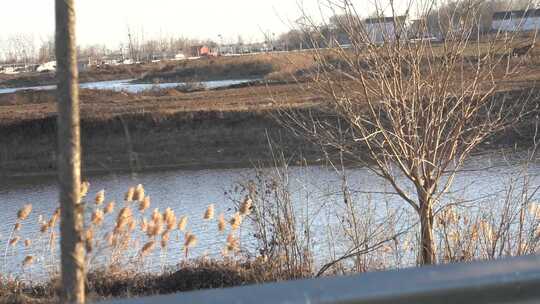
(106,21)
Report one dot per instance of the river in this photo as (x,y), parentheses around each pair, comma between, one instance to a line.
(190,192)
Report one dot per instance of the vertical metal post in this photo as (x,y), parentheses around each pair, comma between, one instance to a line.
(69,158)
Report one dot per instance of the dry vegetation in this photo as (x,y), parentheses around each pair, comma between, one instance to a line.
(127,240)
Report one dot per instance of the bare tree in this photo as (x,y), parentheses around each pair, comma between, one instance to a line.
(69,158)
(46,50)
(411,111)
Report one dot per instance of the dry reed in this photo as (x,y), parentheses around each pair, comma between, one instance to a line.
(23,213)
(138,195)
(109,208)
(236,221)
(100,197)
(245,207)
(221,223)
(144,204)
(209,213)
(28,260)
(182,223)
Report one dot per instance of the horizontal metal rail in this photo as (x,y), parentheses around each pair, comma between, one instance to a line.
(514,280)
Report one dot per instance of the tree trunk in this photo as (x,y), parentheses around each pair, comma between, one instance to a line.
(427,253)
(69,158)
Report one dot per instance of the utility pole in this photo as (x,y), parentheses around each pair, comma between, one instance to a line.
(69,155)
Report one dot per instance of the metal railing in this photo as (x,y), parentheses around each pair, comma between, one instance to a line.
(514,280)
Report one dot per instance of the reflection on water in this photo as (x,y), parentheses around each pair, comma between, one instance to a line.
(125,85)
(190,192)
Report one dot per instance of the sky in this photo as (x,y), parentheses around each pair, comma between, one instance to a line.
(106,21)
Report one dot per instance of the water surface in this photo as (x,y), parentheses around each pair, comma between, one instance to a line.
(126,85)
(316,194)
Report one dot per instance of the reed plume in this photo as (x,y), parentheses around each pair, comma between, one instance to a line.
(144,204)
(17,227)
(129,194)
(534,210)
(132,225)
(170,219)
(148,248)
(14,241)
(155,228)
(138,194)
(157,216)
(24,212)
(85,186)
(89,240)
(182,223)
(28,260)
(221,223)
(97,217)
(44,228)
(54,218)
(487,230)
(109,208)
(232,243)
(144,225)
(124,217)
(209,213)
(245,208)
(100,197)
(165,238)
(27,243)
(190,241)
(236,221)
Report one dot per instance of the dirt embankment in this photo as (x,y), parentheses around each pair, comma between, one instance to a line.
(166,129)
(121,131)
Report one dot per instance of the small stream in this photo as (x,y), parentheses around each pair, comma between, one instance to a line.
(126,85)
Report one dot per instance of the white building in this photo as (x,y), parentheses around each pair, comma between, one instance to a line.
(513,21)
(8,70)
(179,56)
(47,67)
(385,29)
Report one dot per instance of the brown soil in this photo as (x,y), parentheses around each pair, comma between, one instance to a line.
(225,128)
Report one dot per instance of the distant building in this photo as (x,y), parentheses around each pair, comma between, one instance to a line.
(8,70)
(200,50)
(82,65)
(128,61)
(385,29)
(47,67)
(514,21)
(179,57)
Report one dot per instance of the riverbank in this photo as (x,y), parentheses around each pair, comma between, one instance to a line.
(176,128)
(107,284)
(170,129)
(132,132)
